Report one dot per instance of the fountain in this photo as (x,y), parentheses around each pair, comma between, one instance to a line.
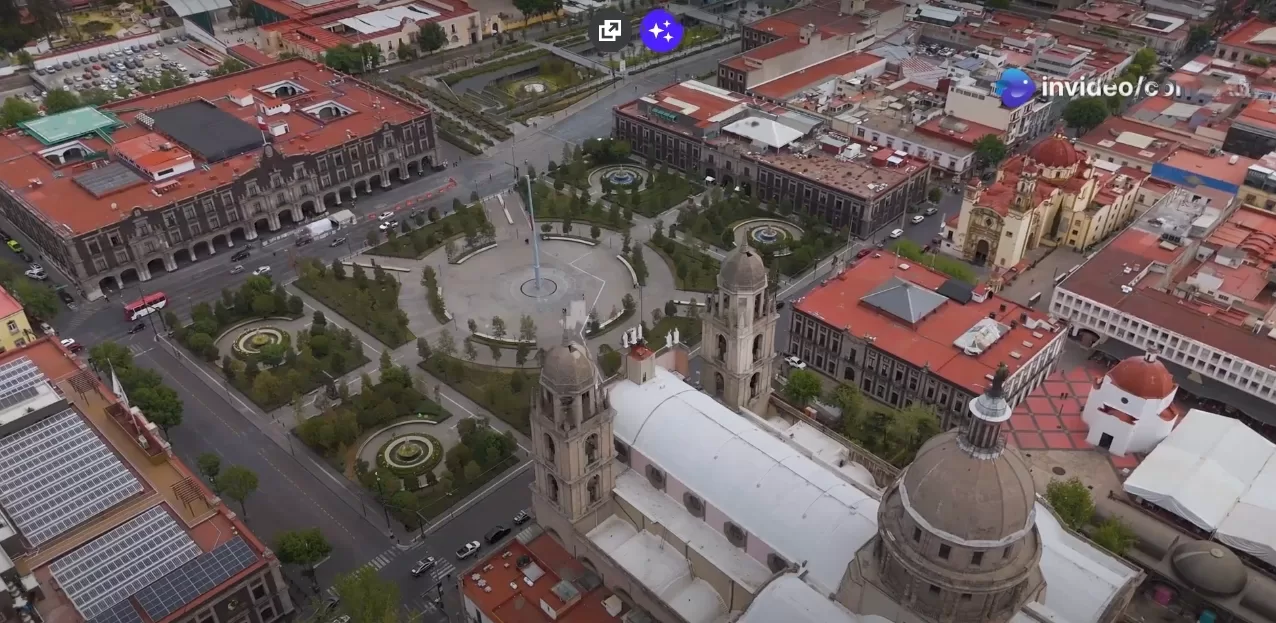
(766,234)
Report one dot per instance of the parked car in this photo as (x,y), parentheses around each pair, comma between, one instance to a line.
(14,246)
(521,518)
(239,255)
(36,273)
(66,297)
(336,242)
(795,363)
(390,224)
(304,240)
(388,214)
(261,270)
(931,211)
(917,219)
(895,233)
(862,253)
(72,345)
(423,565)
(137,328)
(467,550)
(495,535)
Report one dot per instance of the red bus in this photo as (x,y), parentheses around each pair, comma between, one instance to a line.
(145,305)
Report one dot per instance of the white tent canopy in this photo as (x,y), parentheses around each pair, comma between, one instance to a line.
(1218,474)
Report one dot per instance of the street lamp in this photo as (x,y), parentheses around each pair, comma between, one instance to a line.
(384,509)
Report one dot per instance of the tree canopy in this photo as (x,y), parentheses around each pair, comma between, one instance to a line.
(1086,113)
(366,598)
(144,387)
(432,37)
(228,66)
(15,111)
(531,8)
(1071,500)
(304,548)
(803,386)
(990,149)
(237,483)
(60,100)
(350,59)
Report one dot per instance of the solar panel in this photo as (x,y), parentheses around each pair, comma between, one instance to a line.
(106,570)
(57,473)
(195,578)
(122,612)
(19,381)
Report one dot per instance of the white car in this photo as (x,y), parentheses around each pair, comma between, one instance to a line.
(467,550)
(36,273)
(897,233)
(72,345)
(386,215)
(261,270)
(795,363)
(917,219)
(391,224)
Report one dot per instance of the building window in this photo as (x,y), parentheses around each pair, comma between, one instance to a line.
(591,449)
(694,504)
(13,328)
(207,616)
(977,558)
(944,551)
(656,477)
(917,535)
(934,590)
(735,534)
(776,563)
(553,489)
(622,451)
(595,489)
(267,613)
(258,589)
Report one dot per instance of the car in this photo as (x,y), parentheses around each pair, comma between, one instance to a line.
(14,246)
(795,363)
(931,211)
(917,218)
(390,224)
(240,254)
(238,268)
(39,72)
(170,40)
(467,550)
(261,270)
(345,618)
(521,518)
(862,253)
(66,297)
(388,214)
(66,65)
(72,345)
(336,242)
(137,328)
(304,240)
(151,45)
(75,62)
(36,274)
(895,233)
(495,535)
(423,565)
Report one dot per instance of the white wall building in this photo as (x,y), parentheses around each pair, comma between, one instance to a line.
(1131,411)
(972,101)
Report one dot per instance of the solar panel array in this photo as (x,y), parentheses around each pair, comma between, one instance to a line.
(195,578)
(20,380)
(121,612)
(57,473)
(110,568)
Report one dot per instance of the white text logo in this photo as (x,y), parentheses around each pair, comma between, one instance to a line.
(1093,88)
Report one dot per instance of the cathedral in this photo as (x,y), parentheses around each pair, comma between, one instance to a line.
(693,508)
(1055,196)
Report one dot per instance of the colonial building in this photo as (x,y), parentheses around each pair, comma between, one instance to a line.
(741,331)
(148,185)
(906,334)
(691,512)
(780,156)
(1132,410)
(1054,196)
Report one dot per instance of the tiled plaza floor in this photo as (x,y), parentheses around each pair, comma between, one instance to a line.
(1050,417)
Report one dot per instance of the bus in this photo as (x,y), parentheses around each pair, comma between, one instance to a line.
(145,305)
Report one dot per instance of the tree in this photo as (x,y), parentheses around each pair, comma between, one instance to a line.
(406,53)
(108,355)
(237,483)
(1115,536)
(1198,37)
(526,329)
(802,386)
(37,299)
(472,324)
(595,232)
(1086,113)
(210,465)
(446,345)
(471,352)
(366,598)
(60,100)
(847,397)
(304,548)
(1071,500)
(229,66)
(15,111)
(935,195)
(498,327)
(349,59)
(160,404)
(24,58)
(423,348)
(432,37)
(496,352)
(520,355)
(96,97)
(671,309)
(990,149)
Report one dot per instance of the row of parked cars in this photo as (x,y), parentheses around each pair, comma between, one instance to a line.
(107,57)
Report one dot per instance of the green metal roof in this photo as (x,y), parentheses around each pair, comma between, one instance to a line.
(71,124)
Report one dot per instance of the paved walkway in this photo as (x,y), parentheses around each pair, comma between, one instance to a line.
(225,346)
(446,433)
(573,57)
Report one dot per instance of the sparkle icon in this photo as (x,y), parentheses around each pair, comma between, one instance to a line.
(661,32)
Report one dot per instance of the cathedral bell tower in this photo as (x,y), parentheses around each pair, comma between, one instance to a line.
(571,425)
(739,333)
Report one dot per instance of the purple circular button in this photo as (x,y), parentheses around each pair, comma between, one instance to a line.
(661,32)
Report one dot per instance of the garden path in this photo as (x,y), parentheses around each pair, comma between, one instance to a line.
(446,433)
(225,345)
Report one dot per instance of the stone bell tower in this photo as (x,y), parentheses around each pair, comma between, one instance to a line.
(571,426)
(739,333)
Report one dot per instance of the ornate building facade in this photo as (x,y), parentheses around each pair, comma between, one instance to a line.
(739,327)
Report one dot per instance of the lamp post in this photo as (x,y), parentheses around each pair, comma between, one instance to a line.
(384,509)
(536,245)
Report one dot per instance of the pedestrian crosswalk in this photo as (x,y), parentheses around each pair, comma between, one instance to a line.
(383,558)
(430,579)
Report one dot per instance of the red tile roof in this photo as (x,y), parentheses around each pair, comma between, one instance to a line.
(8,305)
(512,600)
(51,190)
(250,55)
(1105,137)
(947,128)
(825,15)
(838,304)
(1242,37)
(786,86)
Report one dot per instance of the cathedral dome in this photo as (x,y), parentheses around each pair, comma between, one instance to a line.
(967,495)
(1210,568)
(567,368)
(742,270)
(1145,377)
(1055,152)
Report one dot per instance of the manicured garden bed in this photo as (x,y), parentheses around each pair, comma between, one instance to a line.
(271,379)
(422,241)
(506,392)
(256,298)
(372,304)
(692,270)
(392,399)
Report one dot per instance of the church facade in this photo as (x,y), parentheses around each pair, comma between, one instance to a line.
(1054,196)
(694,507)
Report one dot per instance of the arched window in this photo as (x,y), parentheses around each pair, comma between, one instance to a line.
(719,385)
(757,348)
(757,306)
(753,385)
(622,451)
(591,449)
(722,348)
(553,489)
(776,563)
(593,487)
(694,504)
(550,450)
(656,477)
(735,534)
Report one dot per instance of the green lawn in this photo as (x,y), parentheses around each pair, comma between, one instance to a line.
(424,240)
(492,388)
(370,303)
(692,270)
